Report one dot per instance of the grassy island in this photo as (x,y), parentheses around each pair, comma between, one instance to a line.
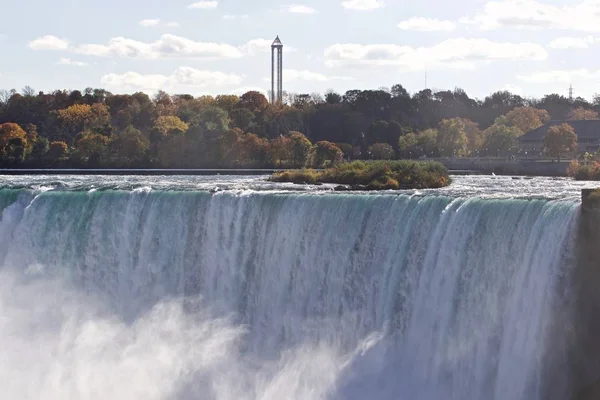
(374,175)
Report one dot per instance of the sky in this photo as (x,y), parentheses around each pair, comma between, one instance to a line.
(530,47)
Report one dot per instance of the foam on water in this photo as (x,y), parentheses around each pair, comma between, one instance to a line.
(153,294)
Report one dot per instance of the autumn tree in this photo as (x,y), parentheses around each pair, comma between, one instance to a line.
(58,151)
(90,148)
(560,140)
(527,119)
(227,102)
(381,151)
(325,153)
(253,150)
(254,101)
(581,113)
(80,117)
(169,125)
(280,150)
(10,131)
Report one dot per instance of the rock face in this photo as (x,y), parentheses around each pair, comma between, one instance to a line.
(585,363)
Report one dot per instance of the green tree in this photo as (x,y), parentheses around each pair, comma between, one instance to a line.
(422,144)
(381,151)
(211,120)
(560,140)
(500,138)
(299,149)
(452,138)
(130,146)
(242,118)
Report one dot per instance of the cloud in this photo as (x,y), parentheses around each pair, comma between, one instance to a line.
(168,46)
(181,77)
(513,89)
(204,5)
(231,17)
(362,5)
(455,53)
(562,76)
(572,42)
(426,25)
(49,42)
(256,46)
(300,9)
(531,14)
(148,23)
(240,91)
(68,61)
(290,75)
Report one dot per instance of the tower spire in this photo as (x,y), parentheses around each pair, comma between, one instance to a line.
(277,71)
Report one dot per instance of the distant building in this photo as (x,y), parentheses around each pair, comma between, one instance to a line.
(588,136)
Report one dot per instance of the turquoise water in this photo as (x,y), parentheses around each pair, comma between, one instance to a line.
(130,292)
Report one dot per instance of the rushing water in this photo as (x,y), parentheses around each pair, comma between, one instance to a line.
(157,288)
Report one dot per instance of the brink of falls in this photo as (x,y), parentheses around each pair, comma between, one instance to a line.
(116,294)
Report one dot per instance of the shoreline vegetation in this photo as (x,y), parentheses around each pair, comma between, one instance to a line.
(375,175)
(586,171)
(97,129)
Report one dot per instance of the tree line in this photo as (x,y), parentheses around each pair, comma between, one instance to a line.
(95,128)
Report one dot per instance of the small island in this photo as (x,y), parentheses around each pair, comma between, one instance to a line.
(373,175)
(586,171)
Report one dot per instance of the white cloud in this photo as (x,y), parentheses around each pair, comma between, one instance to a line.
(300,9)
(234,17)
(204,5)
(362,5)
(572,42)
(148,23)
(49,42)
(290,75)
(513,89)
(240,91)
(168,46)
(455,53)
(181,77)
(426,25)
(256,46)
(531,14)
(68,61)
(562,76)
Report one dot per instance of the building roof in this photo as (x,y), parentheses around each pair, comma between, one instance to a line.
(585,130)
(277,42)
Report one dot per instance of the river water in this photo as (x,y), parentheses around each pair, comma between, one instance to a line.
(233,287)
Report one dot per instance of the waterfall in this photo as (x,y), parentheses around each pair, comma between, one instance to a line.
(148,294)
